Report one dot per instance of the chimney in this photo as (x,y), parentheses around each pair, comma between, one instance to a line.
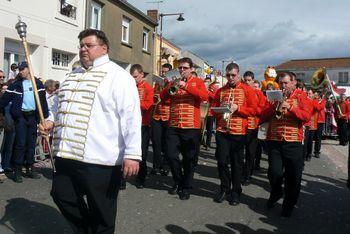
(153,14)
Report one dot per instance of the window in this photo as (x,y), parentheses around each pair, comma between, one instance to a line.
(343,77)
(68,8)
(145,35)
(60,59)
(125,30)
(95,16)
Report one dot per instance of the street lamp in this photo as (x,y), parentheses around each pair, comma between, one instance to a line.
(161,15)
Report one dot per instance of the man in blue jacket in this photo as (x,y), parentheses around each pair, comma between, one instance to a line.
(26,117)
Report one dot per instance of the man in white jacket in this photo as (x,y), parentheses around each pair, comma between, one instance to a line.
(97,137)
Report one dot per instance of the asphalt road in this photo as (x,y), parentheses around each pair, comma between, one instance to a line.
(324,204)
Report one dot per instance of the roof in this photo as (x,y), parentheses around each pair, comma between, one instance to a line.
(315,63)
(136,11)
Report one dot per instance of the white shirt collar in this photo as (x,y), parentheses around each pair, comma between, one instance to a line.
(101,60)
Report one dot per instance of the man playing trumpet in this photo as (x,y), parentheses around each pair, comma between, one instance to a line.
(285,136)
(231,130)
(184,127)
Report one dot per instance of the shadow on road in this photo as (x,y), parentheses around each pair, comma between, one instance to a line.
(25,216)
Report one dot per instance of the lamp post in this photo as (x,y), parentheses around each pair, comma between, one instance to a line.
(161,15)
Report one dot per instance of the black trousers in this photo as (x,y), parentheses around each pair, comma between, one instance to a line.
(310,142)
(145,135)
(250,152)
(209,128)
(258,153)
(306,142)
(285,162)
(159,130)
(24,145)
(318,138)
(86,195)
(186,142)
(343,131)
(229,150)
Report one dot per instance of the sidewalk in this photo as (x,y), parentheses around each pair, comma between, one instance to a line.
(324,205)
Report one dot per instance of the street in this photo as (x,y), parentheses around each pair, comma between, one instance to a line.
(323,206)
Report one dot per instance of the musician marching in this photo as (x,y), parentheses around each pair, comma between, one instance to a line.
(285,136)
(183,134)
(159,126)
(231,131)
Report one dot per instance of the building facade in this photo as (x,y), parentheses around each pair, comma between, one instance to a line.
(169,53)
(130,32)
(52,26)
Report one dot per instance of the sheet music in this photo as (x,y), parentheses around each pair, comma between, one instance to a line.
(173,75)
(274,95)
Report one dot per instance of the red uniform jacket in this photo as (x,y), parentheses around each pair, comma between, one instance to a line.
(321,108)
(344,108)
(212,89)
(311,109)
(185,104)
(162,110)
(290,126)
(146,101)
(253,121)
(242,95)
(314,114)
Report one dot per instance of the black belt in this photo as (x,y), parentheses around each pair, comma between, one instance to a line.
(28,113)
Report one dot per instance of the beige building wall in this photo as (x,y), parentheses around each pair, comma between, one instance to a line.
(170,54)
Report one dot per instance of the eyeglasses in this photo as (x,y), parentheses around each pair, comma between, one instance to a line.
(231,75)
(87,46)
(183,68)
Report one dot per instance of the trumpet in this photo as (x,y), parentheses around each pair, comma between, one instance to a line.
(279,108)
(156,99)
(175,86)
(227,115)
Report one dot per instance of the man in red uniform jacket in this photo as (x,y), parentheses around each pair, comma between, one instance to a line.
(321,119)
(212,89)
(159,127)
(183,135)
(285,136)
(252,132)
(231,130)
(146,101)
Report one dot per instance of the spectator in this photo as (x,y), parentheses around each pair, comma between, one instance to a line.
(13,72)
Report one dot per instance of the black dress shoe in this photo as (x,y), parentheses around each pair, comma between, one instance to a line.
(287,211)
(155,171)
(164,172)
(140,185)
(348,183)
(220,197)
(234,199)
(273,200)
(317,155)
(174,190)
(30,173)
(246,181)
(184,194)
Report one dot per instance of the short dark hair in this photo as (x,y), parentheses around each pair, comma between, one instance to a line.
(50,83)
(285,74)
(167,65)
(249,73)
(94,32)
(231,66)
(136,67)
(186,60)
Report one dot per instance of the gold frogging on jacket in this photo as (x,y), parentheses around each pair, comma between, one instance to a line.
(286,128)
(75,102)
(234,124)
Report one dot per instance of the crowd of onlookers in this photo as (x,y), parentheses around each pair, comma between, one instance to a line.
(7,126)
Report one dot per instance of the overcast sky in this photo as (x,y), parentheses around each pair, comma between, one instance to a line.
(257,33)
